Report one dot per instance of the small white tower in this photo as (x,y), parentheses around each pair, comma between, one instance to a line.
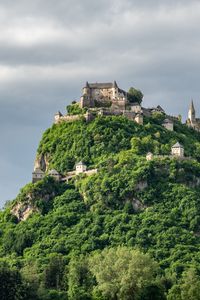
(177,150)
(80,167)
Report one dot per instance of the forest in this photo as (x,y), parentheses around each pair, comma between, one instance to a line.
(131,231)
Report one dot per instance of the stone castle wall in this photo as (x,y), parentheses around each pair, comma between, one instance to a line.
(102,94)
(68,118)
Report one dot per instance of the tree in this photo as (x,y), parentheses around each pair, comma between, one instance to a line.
(190,286)
(53,274)
(11,284)
(79,279)
(122,273)
(135,95)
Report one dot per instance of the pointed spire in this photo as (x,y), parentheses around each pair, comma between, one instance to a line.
(87,84)
(115,84)
(191,113)
(192,106)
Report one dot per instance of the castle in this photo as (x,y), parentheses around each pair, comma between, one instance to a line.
(105,99)
(103,95)
(192,121)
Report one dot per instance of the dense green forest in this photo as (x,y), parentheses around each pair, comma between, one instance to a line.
(131,231)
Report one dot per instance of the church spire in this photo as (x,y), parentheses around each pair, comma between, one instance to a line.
(191,113)
(192,105)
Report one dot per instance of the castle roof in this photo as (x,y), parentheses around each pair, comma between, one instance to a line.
(80,163)
(38,171)
(106,85)
(177,145)
(166,121)
(53,172)
(160,108)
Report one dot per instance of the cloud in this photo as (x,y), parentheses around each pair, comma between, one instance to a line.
(49,49)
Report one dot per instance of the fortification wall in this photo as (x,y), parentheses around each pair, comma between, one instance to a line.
(68,118)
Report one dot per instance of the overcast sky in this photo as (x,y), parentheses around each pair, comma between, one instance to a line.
(50,48)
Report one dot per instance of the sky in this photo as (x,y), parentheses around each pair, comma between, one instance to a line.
(49,49)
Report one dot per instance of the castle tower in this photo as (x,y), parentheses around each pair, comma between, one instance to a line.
(86,89)
(86,100)
(115,90)
(191,113)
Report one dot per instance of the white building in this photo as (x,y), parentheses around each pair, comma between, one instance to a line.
(177,150)
(80,167)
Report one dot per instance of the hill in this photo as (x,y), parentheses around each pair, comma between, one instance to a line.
(86,238)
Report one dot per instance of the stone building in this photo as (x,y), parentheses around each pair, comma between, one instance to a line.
(103,95)
(168,124)
(80,168)
(136,107)
(177,150)
(54,173)
(37,175)
(192,121)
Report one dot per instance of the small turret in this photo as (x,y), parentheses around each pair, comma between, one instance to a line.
(57,117)
(86,89)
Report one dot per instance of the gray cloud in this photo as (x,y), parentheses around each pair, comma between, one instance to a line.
(49,49)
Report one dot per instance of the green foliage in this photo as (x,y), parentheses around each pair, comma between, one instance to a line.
(75,109)
(70,244)
(80,283)
(11,284)
(135,95)
(188,288)
(123,273)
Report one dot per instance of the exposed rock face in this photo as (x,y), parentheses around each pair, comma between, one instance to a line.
(195,183)
(141,185)
(23,210)
(41,162)
(137,205)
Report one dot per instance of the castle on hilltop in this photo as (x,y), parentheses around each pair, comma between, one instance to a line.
(107,99)
(104,99)
(192,121)
(103,94)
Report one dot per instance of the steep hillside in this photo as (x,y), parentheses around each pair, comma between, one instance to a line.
(153,206)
